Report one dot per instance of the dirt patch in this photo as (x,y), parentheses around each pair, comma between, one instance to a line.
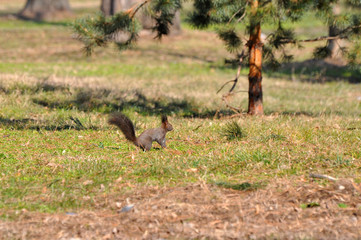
(282,210)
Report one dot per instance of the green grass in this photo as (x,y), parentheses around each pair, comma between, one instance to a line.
(50,163)
(88,69)
(47,170)
(26,25)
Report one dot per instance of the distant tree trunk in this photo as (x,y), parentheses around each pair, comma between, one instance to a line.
(333,45)
(255,96)
(40,10)
(111,7)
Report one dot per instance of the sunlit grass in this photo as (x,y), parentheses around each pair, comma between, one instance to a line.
(49,162)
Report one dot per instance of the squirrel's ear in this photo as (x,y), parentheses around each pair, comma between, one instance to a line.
(164,119)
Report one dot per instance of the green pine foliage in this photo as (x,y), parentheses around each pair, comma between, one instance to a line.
(321,52)
(98,30)
(354,56)
(201,16)
(227,15)
(163,12)
(231,39)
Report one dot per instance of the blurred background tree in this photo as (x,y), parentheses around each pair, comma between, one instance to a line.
(41,10)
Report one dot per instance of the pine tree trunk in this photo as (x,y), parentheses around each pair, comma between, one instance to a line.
(255,96)
(40,10)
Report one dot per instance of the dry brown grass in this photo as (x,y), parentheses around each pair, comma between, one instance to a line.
(296,209)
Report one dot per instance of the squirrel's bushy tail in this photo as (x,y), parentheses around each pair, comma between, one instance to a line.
(125,125)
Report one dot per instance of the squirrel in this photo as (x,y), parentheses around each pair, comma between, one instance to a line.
(145,140)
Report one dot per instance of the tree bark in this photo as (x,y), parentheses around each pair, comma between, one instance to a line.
(255,95)
(40,10)
(111,7)
(333,45)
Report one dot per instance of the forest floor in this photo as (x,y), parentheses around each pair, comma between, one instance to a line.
(283,210)
(66,174)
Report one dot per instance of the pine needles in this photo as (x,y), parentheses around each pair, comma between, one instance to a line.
(98,30)
(163,12)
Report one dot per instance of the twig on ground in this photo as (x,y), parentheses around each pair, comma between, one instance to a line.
(195,129)
(236,115)
(315,175)
(225,100)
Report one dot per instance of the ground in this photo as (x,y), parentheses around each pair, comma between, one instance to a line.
(66,174)
(300,209)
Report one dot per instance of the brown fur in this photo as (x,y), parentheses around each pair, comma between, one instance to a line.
(145,139)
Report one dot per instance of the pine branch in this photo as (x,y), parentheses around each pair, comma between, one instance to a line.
(241,57)
(230,38)
(244,14)
(133,10)
(234,83)
(230,20)
(163,13)
(225,100)
(235,14)
(322,38)
(98,31)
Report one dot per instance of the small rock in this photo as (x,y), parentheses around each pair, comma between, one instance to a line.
(127,208)
(70,213)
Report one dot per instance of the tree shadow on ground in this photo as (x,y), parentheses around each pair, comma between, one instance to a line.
(100,100)
(293,113)
(34,124)
(107,100)
(320,71)
(311,114)
(55,96)
(313,71)
(245,186)
(172,53)
(40,23)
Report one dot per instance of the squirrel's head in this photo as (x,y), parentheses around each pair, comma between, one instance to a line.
(165,124)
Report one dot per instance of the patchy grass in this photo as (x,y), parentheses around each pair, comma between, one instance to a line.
(58,154)
(48,155)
